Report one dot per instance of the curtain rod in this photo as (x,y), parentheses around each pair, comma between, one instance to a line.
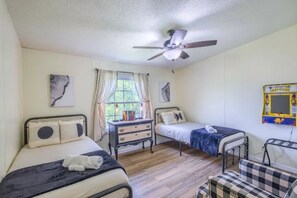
(96,69)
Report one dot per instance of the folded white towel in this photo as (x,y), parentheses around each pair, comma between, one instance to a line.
(76,168)
(93,162)
(210,129)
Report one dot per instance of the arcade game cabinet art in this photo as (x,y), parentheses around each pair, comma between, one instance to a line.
(279,104)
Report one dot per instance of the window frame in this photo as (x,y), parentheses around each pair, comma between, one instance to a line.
(123,91)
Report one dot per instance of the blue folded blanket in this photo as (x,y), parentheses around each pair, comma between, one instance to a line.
(35,180)
(209,142)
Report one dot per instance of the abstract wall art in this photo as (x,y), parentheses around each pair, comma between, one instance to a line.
(61,91)
(164,91)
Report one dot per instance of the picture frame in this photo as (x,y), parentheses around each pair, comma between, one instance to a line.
(61,91)
(164,91)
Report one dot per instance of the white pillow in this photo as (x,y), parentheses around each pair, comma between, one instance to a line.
(179,116)
(71,130)
(160,119)
(168,118)
(43,134)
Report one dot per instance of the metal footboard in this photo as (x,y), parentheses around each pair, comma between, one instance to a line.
(225,151)
(113,189)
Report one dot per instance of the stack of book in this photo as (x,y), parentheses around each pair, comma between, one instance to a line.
(128,115)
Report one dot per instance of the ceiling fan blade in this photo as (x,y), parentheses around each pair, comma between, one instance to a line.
(160,54)
(200,44)
(147,47)
(177,37)
(184,55)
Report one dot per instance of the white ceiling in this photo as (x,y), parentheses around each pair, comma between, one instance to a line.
(109,28)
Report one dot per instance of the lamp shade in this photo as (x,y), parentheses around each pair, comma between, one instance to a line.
(173,54)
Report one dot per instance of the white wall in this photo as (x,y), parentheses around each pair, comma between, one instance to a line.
(38,65)
(10,91)
(227,89)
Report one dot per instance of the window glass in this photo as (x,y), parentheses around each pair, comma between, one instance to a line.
(125,97)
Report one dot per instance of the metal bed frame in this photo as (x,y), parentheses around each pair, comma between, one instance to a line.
(100,194)
(225,151)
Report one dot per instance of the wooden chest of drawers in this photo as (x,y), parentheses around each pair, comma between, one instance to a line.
(129,133)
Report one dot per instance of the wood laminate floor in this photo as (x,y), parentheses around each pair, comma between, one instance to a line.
(166,174)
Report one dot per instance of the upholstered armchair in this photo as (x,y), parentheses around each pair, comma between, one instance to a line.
(253,180)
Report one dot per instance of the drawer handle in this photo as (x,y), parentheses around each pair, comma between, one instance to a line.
(121,130)
(136,134)
(148,126)
(148,134)
(122,139)
(135,127)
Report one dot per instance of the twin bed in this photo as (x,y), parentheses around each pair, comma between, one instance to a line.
(112,183)
(181,132)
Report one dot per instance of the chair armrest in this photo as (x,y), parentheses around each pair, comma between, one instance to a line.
(202,191)
(292,192)
(267,178)
(220,188)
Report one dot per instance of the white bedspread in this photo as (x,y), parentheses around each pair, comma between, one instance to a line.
(182,132)
(29,157)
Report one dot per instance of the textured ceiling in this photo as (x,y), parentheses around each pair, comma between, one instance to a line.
(109,28)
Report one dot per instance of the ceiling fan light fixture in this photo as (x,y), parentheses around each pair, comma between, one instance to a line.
(173,47)
(173,54)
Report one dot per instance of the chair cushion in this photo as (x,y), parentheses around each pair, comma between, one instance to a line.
(267,178)
(229,184)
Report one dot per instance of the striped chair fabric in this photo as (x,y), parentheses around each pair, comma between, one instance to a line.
(267,178)
(203,191)
(231,185)
(254,180)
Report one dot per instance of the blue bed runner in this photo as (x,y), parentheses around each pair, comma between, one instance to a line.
(209,142)
(39,179)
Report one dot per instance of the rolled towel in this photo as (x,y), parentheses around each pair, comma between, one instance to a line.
(210,129)
(93,162)
(76,168)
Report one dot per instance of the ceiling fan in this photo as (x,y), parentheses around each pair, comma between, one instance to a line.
(173,48)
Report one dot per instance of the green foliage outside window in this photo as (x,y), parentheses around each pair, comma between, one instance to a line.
(126,98)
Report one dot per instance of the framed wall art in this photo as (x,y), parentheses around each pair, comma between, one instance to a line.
(164,91)
(61,91)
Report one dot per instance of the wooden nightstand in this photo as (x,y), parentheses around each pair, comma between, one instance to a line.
(124,133)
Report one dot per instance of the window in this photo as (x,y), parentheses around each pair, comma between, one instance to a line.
(125,97)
